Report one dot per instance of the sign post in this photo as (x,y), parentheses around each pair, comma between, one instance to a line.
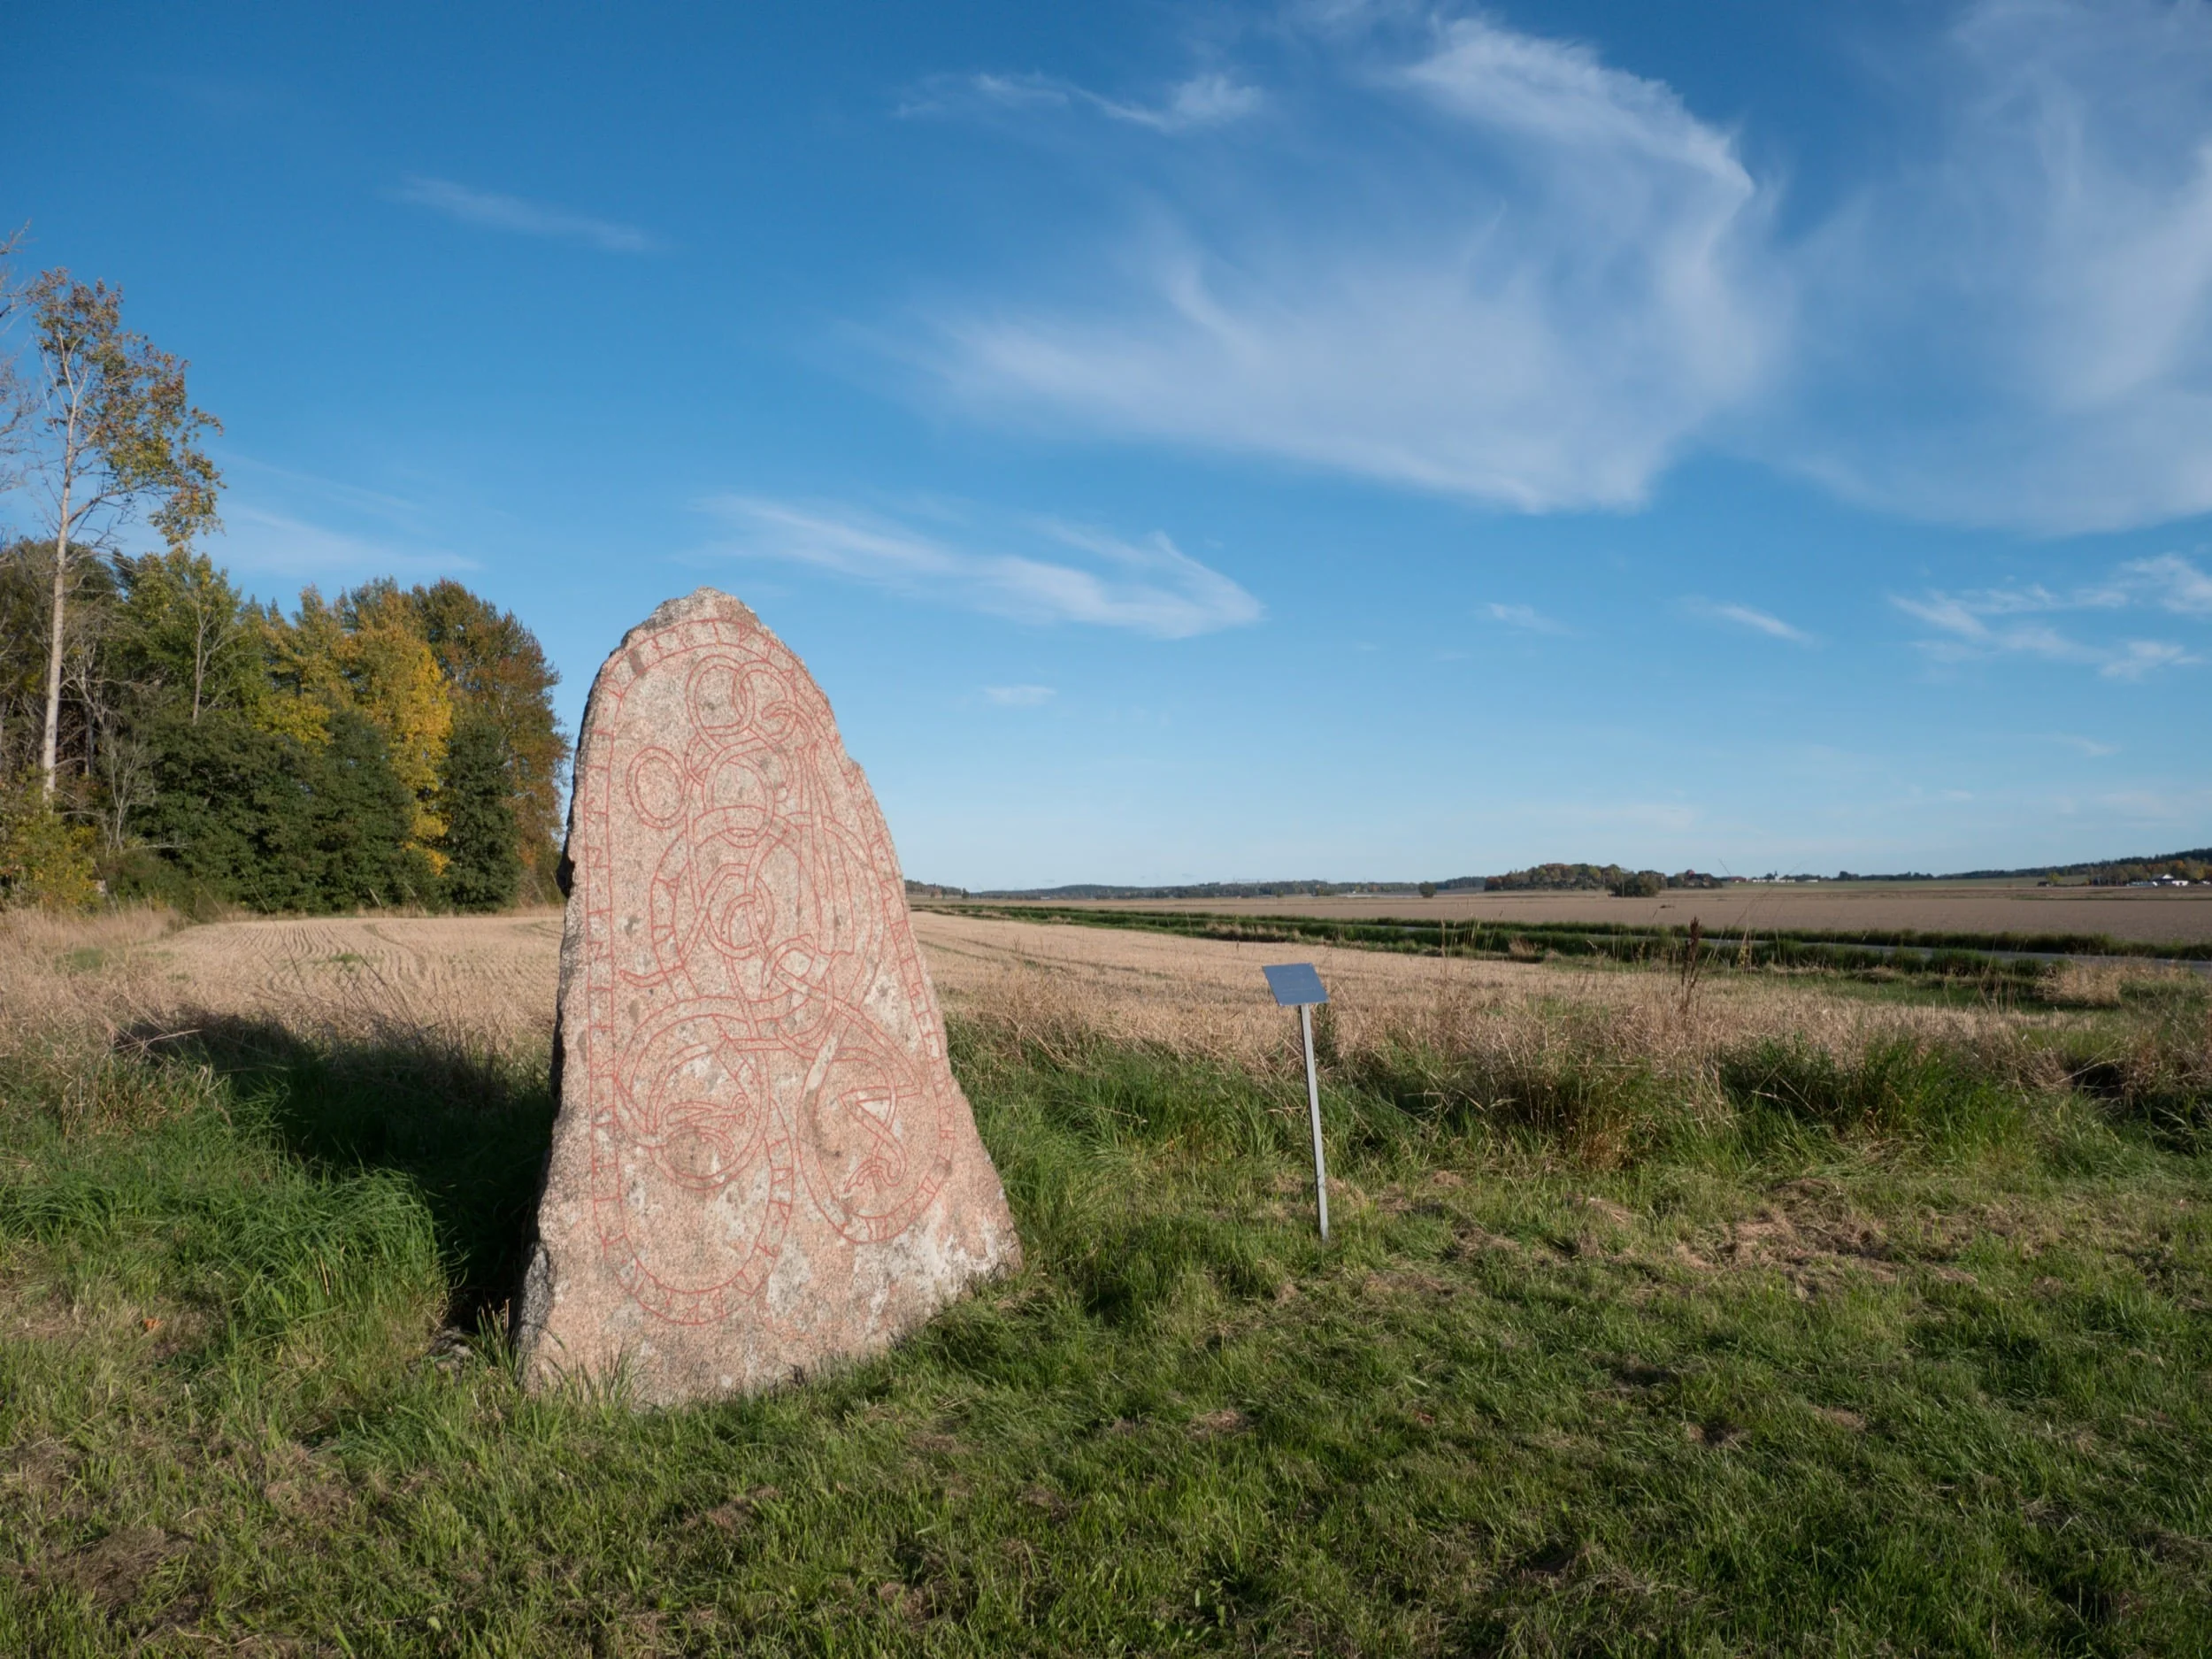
(1297,986)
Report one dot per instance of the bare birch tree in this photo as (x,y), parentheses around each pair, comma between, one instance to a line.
(109,432)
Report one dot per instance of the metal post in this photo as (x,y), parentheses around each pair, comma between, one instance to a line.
(1313,1103)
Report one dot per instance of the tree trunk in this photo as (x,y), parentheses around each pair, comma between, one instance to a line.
(199,652)
(46,755)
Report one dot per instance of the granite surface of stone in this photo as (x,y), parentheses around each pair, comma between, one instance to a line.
(762,1163)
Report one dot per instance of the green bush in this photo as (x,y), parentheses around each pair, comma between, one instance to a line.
(267,820)
(45,861)
(482,869)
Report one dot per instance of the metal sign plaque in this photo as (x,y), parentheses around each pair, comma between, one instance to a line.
(1296,984)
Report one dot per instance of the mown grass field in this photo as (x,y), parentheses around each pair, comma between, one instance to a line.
(1888,1337)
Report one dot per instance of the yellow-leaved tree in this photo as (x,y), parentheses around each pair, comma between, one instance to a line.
(394,678)
(305,680)
(366,652)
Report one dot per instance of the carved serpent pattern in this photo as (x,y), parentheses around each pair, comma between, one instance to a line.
(759,1020)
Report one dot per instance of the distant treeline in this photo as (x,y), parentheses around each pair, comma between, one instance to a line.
(1220,890)
(1547,878)
(392,746)
(1619,879)
(1596,879)
(2193,865)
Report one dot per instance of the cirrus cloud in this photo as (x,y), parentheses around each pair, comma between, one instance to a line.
(490,211)
(2015,326)
(1061,573)
(1203,101)
(1535,293)
(1749,618)
(1493,265)
(1986,623)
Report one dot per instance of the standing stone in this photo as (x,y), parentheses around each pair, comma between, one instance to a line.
(762,1163)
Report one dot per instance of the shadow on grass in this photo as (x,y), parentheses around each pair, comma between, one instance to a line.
(467,1127)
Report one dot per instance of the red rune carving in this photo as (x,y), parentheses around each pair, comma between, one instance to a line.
(755,1000)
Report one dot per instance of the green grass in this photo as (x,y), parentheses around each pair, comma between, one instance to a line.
(1872,1356)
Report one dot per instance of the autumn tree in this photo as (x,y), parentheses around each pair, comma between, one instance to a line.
(392,676)
(363,653)
(300,655)
(110,433)
(181,632)
(498,673)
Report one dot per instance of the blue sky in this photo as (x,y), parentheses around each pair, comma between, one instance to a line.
(1212,442)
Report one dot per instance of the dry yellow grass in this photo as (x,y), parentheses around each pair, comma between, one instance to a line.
(80,973)
(479,976)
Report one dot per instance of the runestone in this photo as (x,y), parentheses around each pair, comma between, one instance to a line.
(762,1163)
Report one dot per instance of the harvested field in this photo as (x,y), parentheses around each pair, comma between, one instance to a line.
(2152,916)
(495,974)
(474,976)
(495,977)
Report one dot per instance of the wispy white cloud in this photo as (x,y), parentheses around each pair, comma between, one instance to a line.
(1984,624)
(1205,100)
(306,526)
(2172,582)
(2088,746)
(1493,264)
(1019,696)
(258,539)
(1201,101)
(1150,586)
(1526,618)
(1747,617)
(1965,632)
(1523,276)
(2139,657)
(492,211)
(2015,326)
